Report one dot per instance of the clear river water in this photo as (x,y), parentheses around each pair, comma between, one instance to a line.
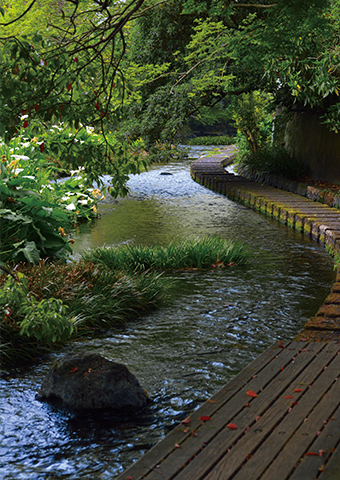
(212,326)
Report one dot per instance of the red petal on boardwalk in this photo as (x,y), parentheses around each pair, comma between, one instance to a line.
(314,454)
(288,396)
(298,390)
(205,418)
(186,420)
(232,426)
(251,393)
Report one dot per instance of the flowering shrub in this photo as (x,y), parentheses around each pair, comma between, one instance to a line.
(90,151)
(35,211)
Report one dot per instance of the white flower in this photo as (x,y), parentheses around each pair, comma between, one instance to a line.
(20,157)
(47,186)
(64,199)
(89,130)
(23,117)
(82,202)
(17,171)
(30,177)
(48,210)
(71,206)
(26,144)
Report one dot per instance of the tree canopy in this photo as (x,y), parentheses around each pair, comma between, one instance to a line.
(146,66)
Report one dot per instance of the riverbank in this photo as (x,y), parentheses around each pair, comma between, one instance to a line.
(301,210)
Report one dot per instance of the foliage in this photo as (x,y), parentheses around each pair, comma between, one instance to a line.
(35,212)
(40,323)
(189,254)
(72,57)
(47,304)
(84,59)
(254,119)
(80,149)
(274,160)
(46,321)
(65,66)
(287,50)
(216,140)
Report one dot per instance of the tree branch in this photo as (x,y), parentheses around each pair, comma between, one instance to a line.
(20,16)
(254,5)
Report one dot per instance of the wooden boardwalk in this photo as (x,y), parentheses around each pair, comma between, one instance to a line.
(280,417)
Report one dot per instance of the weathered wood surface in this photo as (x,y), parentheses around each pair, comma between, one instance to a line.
(290,430)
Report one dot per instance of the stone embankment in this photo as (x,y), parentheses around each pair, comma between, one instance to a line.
(317,220)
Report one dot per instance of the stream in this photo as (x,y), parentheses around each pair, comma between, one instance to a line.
(213,324)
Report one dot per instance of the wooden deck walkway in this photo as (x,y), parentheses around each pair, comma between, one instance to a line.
(278,419)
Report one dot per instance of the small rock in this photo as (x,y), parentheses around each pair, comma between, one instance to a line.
(166,173)
(90,382)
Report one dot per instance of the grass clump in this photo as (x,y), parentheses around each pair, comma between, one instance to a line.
(189,254)
(215,140)
(274,160)
(43,306)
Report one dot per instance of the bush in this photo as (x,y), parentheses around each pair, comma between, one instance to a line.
(274,160)
(35,213)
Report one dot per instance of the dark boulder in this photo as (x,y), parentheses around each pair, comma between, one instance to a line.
(90,382)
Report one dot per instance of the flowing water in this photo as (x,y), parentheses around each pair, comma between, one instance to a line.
(212,326)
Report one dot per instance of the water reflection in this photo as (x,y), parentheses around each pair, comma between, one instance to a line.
(212,326)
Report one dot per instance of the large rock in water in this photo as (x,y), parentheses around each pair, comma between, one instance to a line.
(90,382)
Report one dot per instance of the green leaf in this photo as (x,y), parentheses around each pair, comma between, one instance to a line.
(30,252)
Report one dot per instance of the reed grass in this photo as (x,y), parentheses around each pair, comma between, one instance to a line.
(107,286)
(275,160)
(96,299)
(212,140)
(200,253)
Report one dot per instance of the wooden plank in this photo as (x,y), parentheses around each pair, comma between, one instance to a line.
(280,356)
(243,452)
(324,446)
(332,468)
(301,432)
(192,447)
(210,450)
(246,418)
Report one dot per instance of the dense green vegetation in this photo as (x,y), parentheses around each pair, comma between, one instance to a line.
(45,305)
(144,68)
(93,87)
(189,254)
(274,160)
(217,140)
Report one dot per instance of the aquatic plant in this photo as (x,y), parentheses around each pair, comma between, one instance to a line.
(47,304)
(199,253)
(215,140)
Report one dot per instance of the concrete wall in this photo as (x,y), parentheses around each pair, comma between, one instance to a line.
(308,139)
